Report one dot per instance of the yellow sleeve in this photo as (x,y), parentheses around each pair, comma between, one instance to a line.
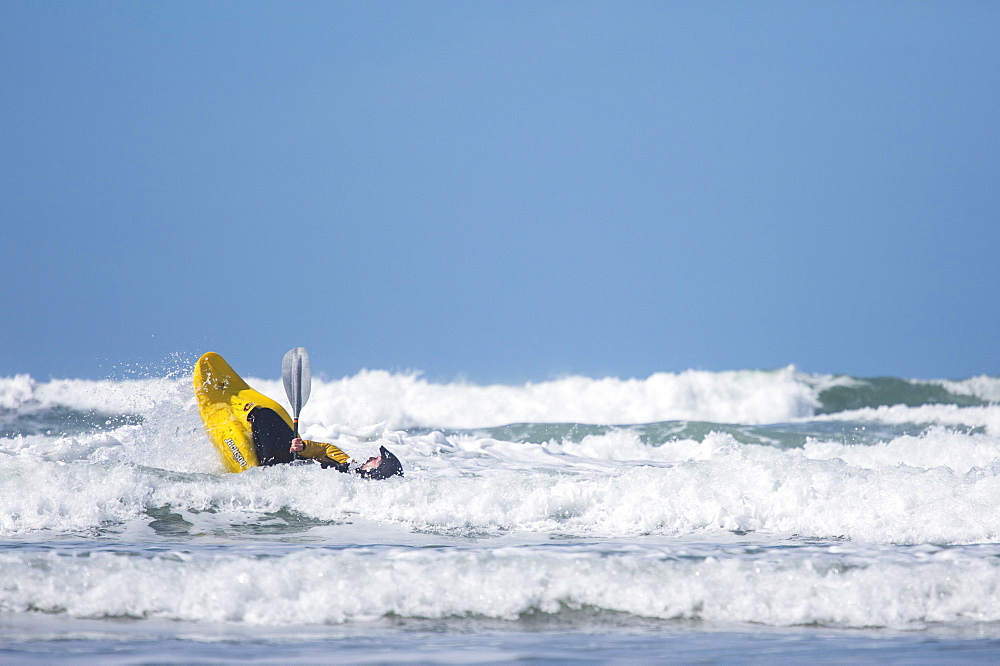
(324,452)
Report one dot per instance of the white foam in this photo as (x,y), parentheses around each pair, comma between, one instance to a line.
(986,417)
(940,486)
(983,387)
(408,401)
(607,486)
(651,524)
(68,496)
(938,447)
(399,401)
(777,587)
(135,396)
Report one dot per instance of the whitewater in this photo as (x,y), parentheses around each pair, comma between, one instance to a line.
(751,515)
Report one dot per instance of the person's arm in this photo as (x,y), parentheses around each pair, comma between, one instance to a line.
(328,454)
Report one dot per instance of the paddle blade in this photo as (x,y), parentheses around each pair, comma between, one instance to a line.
(297,378)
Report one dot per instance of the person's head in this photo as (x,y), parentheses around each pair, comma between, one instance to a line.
(382,466)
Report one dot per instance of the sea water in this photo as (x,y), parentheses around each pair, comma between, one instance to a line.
(735,516)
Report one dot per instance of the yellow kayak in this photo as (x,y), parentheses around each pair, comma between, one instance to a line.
(225,402)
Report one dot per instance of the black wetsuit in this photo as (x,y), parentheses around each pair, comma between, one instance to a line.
(271,436)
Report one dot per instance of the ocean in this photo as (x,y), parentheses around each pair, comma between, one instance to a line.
(745,516)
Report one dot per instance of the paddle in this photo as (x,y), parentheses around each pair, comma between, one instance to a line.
(297,378)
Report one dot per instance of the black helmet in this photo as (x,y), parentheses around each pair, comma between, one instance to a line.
(390,466)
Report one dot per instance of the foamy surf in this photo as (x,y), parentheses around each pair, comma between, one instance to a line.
(839,586)
(721,501)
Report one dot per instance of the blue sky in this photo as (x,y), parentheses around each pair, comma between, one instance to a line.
(501,191)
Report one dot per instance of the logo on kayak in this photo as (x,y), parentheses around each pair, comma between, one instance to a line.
(247,407)
(236,453)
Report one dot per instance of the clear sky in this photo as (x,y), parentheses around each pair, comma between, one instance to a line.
(501,191)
